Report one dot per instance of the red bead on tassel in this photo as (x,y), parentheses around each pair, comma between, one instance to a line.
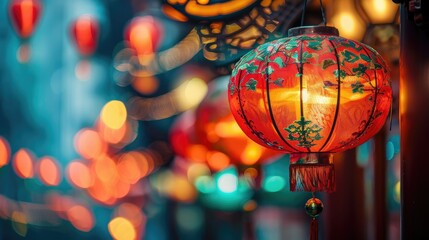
(314,207)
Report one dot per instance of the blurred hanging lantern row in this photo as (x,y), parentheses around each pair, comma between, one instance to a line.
(311,94)
(24,15)
(85,33)
(144,35)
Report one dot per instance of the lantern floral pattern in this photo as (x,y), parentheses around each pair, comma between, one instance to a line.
(311,92)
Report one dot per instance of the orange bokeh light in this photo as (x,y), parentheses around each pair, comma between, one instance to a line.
(112,136)
(145,85)
(49,171)
(106,171)
(81,218)
(80,175)
(4,152)
(217,160)
(23,163)
(102,192)
(89,144)
(129,167)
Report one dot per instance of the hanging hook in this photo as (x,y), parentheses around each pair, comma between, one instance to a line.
(321,10)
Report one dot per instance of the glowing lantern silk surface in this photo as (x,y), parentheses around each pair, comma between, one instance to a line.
(311,94)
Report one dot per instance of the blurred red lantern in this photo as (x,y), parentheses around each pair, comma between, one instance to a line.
(85,33)
(218,131)
(24,15)
(311,94)
(143,35)
(183,139)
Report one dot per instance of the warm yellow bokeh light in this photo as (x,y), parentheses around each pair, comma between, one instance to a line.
(380,11)
(121,229)
(349,25)
(252,153)
(228,129)
(190,93)
(19,223)
(114,114)
(347,20)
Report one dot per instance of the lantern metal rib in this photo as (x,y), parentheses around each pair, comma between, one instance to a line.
(337,108)
(274,123)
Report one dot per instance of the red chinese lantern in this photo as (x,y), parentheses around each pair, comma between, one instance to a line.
(24,15)
(143,35)
(311,94)
(85,33)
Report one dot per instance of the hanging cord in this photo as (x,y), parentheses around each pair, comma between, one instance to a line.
(321,10)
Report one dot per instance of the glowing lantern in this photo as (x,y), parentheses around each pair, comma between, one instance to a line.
(85,32)
(24,15)
(216,129)
(311,94)
(143,35)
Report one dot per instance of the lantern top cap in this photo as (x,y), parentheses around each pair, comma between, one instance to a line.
(321,30)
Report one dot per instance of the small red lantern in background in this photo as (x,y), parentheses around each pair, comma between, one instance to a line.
(85,33)
(311,94)
(143,35)
(212,135)
(24,15)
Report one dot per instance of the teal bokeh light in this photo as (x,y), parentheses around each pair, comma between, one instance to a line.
(225,190)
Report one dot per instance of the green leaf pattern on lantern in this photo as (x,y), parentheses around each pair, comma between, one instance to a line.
(251,84)
(251,68)
(279,82)
(279,61)
(231,89)
(360,70)
(351,44)
(349,56)
(291,44)
(315,45)
(342,73)
(365,57)
(327,63)
(357,87)
(304,132)
(306,56)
